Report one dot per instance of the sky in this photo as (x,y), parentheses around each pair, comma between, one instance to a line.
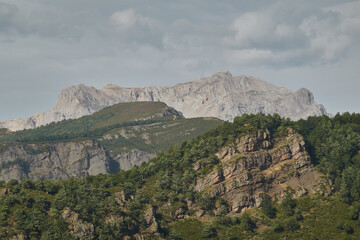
(47,45)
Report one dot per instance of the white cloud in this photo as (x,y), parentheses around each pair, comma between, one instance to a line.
(133,29)
(325,36)
(128,19)
(261,29)
(318,35)
(251,27)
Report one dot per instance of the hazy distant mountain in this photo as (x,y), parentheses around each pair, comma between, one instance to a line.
(221,95)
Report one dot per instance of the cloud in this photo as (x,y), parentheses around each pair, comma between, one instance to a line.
(326,40)
(251,55)
(132,28)
(7,11)
(284,33)
(350,13)
(128,19)
(270,28)
(23,19)
(8,14)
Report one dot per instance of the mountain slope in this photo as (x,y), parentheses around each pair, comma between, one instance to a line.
(113,139)
(254,178)
(220,95)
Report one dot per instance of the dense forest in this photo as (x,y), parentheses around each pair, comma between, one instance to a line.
(112,206)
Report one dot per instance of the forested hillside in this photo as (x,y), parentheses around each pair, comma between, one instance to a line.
(260,177)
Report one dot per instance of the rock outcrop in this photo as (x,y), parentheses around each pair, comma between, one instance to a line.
(57,161)
(134,157)
(150,220)
(255,164)
(220,95)
(78,228)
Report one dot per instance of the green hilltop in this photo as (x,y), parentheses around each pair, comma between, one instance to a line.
(149,126)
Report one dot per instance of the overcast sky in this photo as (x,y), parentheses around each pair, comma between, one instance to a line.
(47,45)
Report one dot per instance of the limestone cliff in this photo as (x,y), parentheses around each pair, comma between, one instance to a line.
(221,95)
(255,165)
(62,160)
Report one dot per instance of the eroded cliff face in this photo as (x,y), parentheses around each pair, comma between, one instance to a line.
(62,160)
(221,95)
(255,164)
(57,161)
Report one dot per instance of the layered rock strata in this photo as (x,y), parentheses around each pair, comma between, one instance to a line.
(255,165)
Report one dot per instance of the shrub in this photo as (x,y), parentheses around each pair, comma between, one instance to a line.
(209,231)
(267,207)
(277,226)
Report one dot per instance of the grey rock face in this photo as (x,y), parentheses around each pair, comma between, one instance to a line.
(128,160)
(62,160)
(221,95)
(57,161)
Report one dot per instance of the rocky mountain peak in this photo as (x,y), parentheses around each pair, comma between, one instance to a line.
(223,74)
(219,76)
(305,96)
(220,95)
(109,86)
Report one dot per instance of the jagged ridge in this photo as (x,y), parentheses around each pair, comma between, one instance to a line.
(221,95)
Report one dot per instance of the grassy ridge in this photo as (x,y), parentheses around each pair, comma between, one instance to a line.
(130,112)
(156,137)
(95,125)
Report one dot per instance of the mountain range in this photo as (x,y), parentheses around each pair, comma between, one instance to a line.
(221,95)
